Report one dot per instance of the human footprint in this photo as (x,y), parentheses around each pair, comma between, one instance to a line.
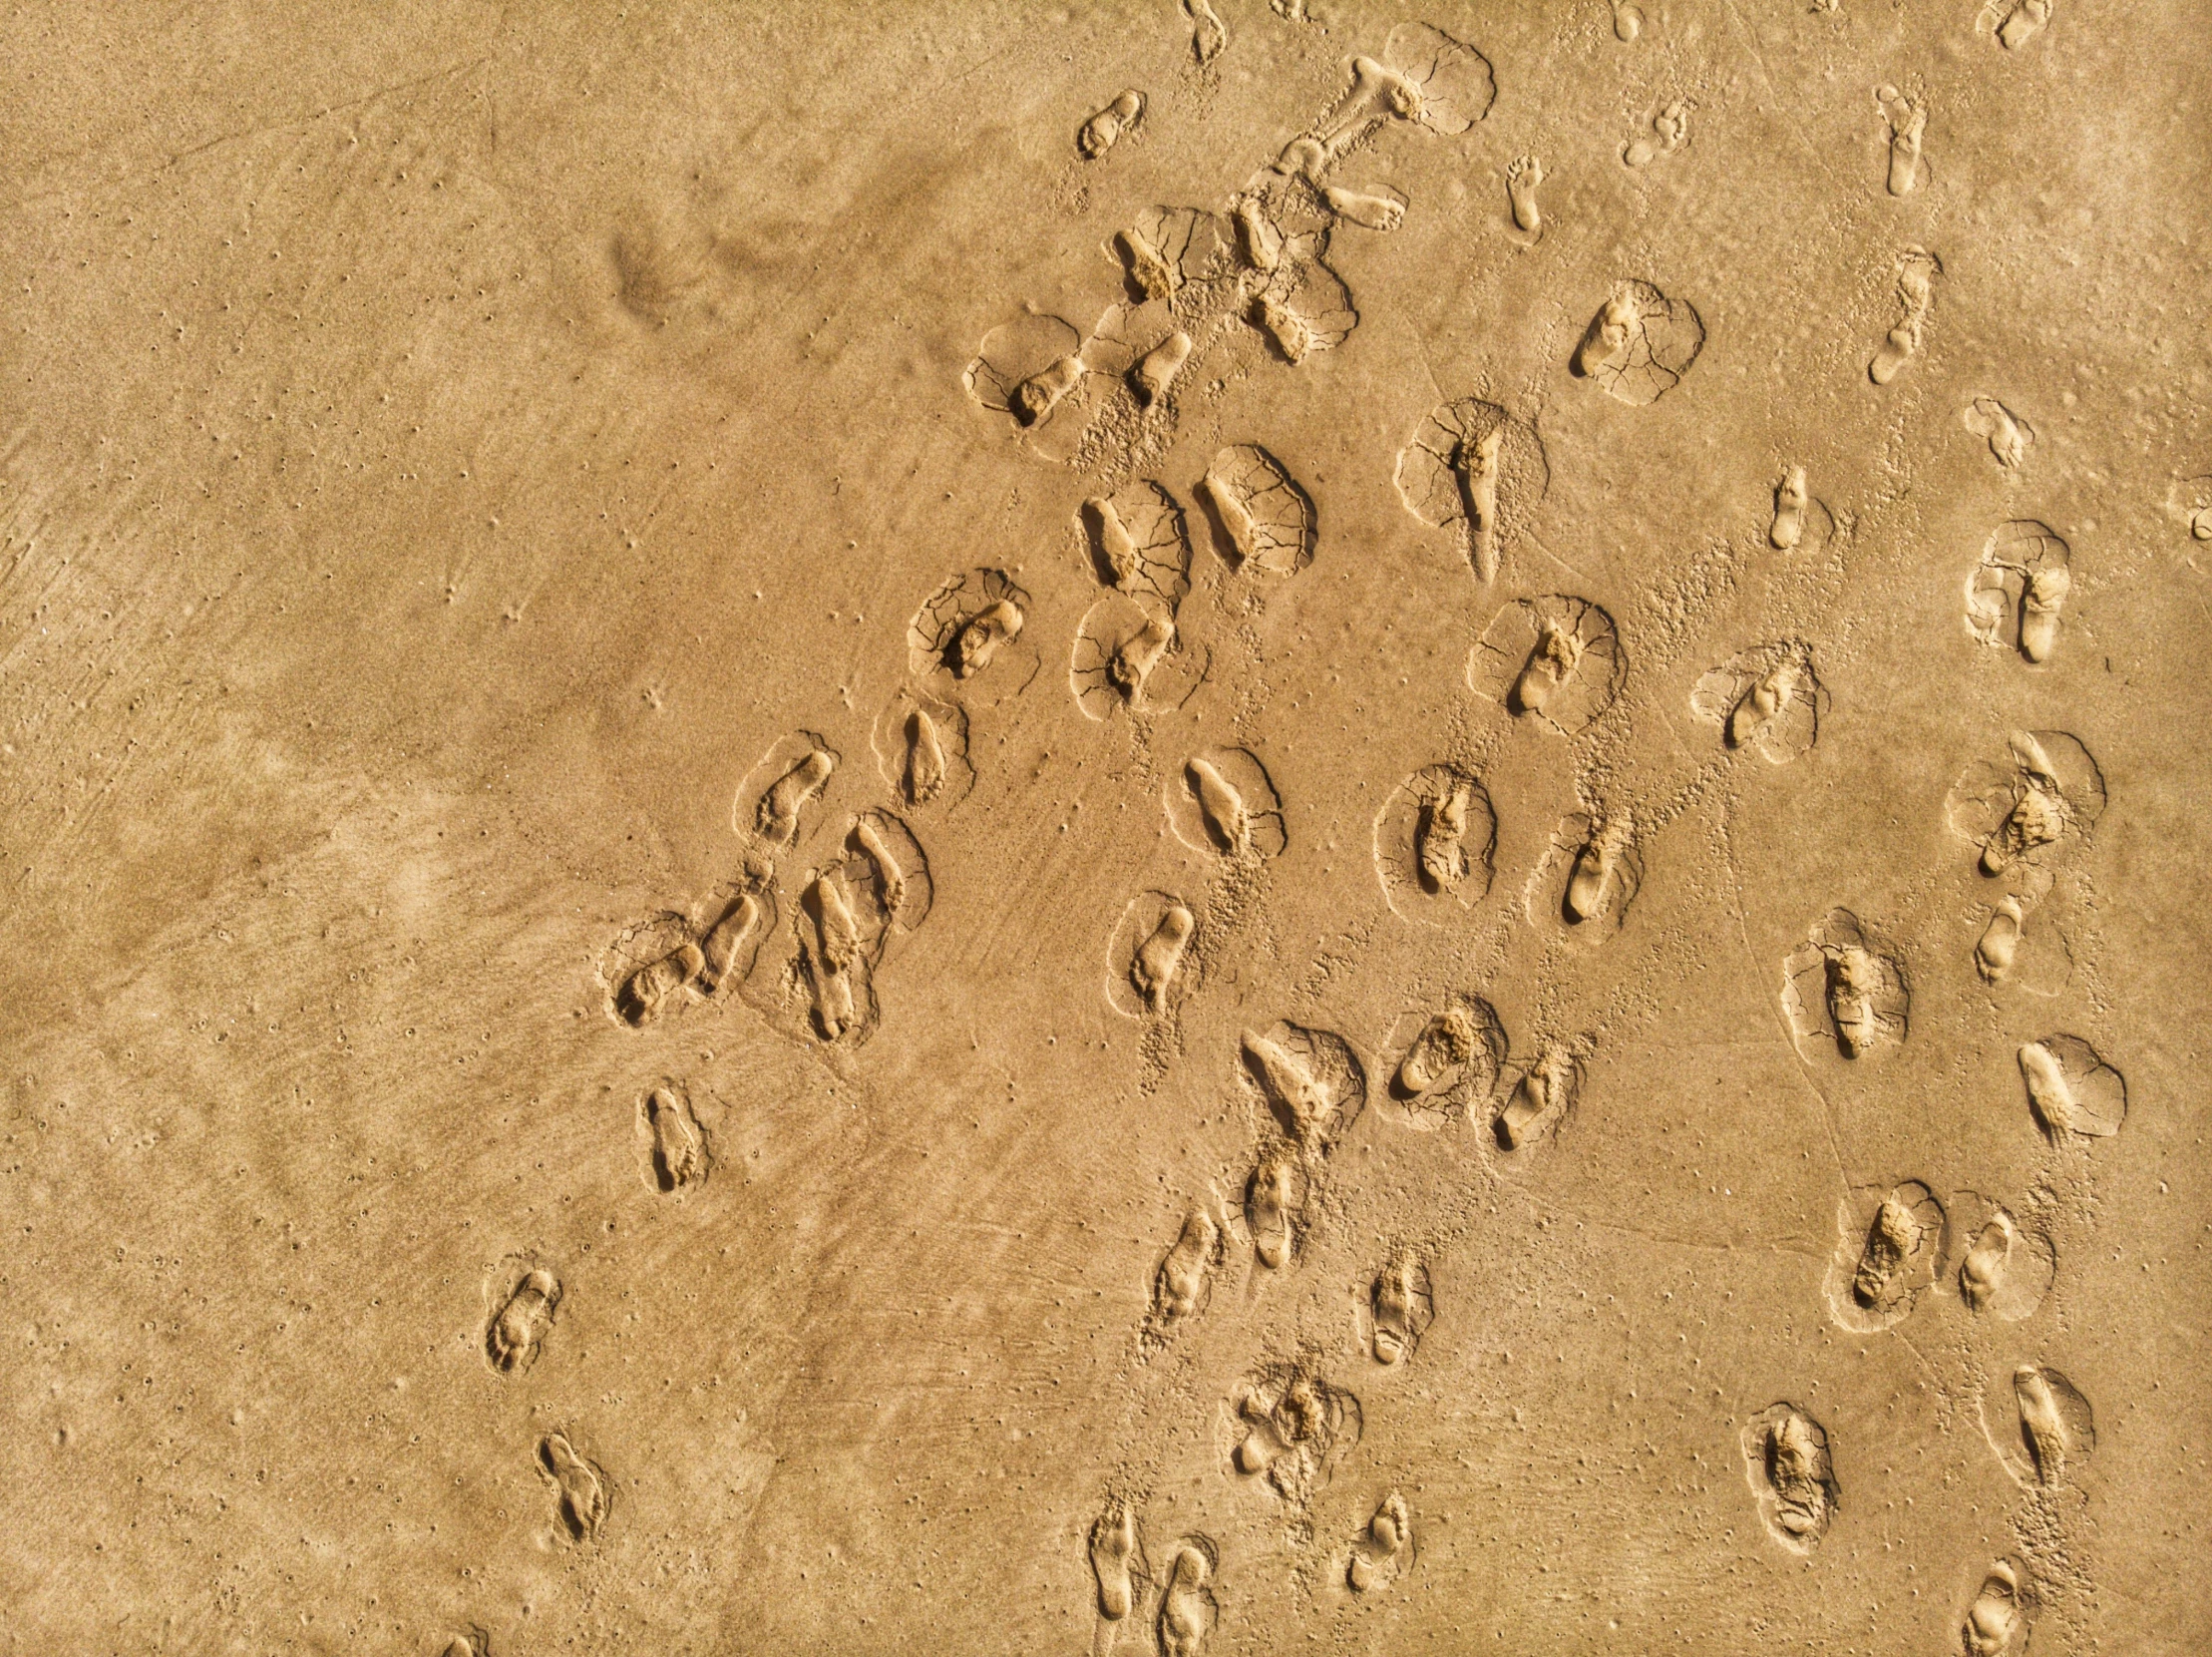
(1403,1306)
(1917,270)
(2009,436)
(1117,1560)
(1187,1606)
(1273,1201)
(1908,121)
(1998,943)
(1790,501)
(1995,1616)
(1670,130)
(1374,211)
(1100,132)
(1384,1552)
(1186,1274)
(1606,341)
(1522,176)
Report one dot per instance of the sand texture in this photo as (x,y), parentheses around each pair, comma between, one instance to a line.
(1172,828)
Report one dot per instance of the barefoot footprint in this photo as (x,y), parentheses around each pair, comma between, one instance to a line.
(1117,1560)
(1221,801)
(1187,1606)
(1381,210)
(581,1496)
(1557,658)
(1640,344)
(967,625)
(2007,1271)
(1308,1078)
(1844,985)
(1208,36)
(2027,811)
(1294,1429)
(1917,270)
(1898,1251)
(1152,972)
(1265,520)
(1908,121)
(1544,1094)
(2009,436)
(2020,586)
(1473,469)
(1669,131)
(2055,1421)
(1606,874)
(1275,1206)
(1099,134)
(1403,1307)
(1786,1452)
(679,1152)
(518,1329)
(1790,499)
(2016,21)
(2071,1088)
(1522,176)
(1995,1617)
(1385,1552)
(1185,1280)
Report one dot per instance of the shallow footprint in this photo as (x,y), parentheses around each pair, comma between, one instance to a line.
(1449,1066)
(1996,1615)
(1382,209)
(1670,130)
(1887,1256)
(518,1330)
(1128,657)
(2009,436)
(1293,1429)
(1845,986)
(1275,1206)
(2073,1088)
(2055,1423)
(1118,1561)
(1590,876)
(648,991)
(1102,131)
(1787,1453)
(1477,473)
(969,624)
(1400,1307)
(1262,517)
(1555,658)
(1188,1610)
(2018,587)
(1640,344)
(779,797)
(2006,1269)
(1523,174)
(1309,1080)
(1150,963)
(1908,124)
(1767,698)
(921,744)
(1385,1552)
(1184,1282)
(1546,1092)
(1222,801)
(1917,270)
(1025,368)
(2031,809)
(1139,543)
(581,1491)
(676,1150)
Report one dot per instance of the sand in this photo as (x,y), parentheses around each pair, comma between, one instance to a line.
(1151,828)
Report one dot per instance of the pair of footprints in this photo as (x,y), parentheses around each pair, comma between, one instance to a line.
(1888,1257)
(583,1493)
(1180,1604)
(1127,654)
(1453,1067)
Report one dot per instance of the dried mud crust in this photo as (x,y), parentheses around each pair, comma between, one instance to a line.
(1474,471)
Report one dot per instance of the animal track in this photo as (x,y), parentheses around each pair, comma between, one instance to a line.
(1917,270)
(1546,1092)
(1275,1206)
(921,745)
(1118,1561)
(2016,591)
(1449,1066)
(518,1329)
(2006,1269)
(1908,124)
(2055,1423)
(1293,1429)
(1786,1452)
(1640,344)
(1222,801)
(2016,21)
(1523,174)
(1309,1079)
(1434,841)
(1670,130)
(1185,1280)
(1476,472)
(581,1494)
(1385,1552)
(2009,436)
(1188,1610)
(1150,966)
(1997,1614)
(1102,131)
(677,1149)
(1400,1306)
(1128,656)
(1888,1256)
(1260,513)
(969,624)
(1555,658)
(2028,810)
(1844,984)
(1139,544)
(1767,698)
(2073,1088)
